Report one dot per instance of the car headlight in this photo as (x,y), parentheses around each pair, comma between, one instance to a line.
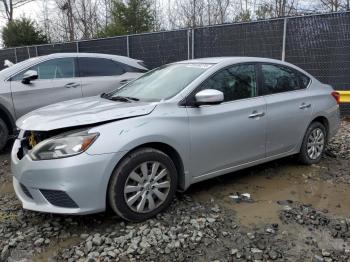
(63,146)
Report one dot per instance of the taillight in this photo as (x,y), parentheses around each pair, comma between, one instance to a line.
(336,96)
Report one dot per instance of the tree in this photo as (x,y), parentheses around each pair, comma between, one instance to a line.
(133,17)
(243,16)
(264,11)
(8,7)
(66,7)
(334,5)
(22,32)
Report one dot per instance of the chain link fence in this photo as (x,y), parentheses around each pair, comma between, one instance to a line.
(320,44)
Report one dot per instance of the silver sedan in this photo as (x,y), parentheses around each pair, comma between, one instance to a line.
(179,124)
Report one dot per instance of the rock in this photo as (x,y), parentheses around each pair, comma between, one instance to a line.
(111,254)
(211,220)
(318,258)
(79,253)
(4,253)
(97,240)
(325,253)
(215,209)
(257,253)
(39,242)
(88,247)
(233,251)
(250,235)
(273,254)
(84,236)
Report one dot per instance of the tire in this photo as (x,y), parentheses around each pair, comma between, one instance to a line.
(307,155)
(4,134)
(153,192)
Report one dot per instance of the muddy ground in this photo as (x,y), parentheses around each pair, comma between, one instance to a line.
(296,213)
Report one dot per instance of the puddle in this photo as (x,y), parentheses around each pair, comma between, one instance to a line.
(51,251)
(269,183)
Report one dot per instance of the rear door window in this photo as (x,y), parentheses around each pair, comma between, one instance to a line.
(89,66)
(279,79)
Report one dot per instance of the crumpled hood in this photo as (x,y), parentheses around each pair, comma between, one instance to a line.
(82,111)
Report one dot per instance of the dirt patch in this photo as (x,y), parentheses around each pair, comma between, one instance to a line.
(270,183)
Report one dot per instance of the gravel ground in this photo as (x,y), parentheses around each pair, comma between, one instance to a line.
(296,213)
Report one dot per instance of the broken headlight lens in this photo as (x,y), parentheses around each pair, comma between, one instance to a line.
(63,146)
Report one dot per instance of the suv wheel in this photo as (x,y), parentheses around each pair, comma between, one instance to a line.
(314,144)
(142,185)
(4,133)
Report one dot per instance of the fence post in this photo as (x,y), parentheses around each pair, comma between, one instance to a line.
(36,50)
(16,55)
(188,44)
(77,46)
(127,46)
(192,43)
(28,52)
(284,39)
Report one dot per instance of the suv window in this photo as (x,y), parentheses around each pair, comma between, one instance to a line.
(52,69)
(278,79)
(99,67)
(236,82)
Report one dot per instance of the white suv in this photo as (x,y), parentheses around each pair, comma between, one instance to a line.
(45,80)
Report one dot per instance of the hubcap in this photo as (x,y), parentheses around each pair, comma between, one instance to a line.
(147,187)
(315,143)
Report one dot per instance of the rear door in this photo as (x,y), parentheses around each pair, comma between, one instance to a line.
(288,107)
(102,75)
(233,132)
(56,82)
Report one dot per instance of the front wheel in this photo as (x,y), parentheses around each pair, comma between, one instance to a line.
(142,185)
(314,144)
(4,133)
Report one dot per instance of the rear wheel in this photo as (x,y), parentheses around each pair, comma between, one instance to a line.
(4,133)
(143,185)
(314,144)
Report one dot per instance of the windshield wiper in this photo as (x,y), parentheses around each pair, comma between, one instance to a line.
(123,98)
(104,95)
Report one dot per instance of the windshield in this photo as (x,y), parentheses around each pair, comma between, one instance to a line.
(161,83)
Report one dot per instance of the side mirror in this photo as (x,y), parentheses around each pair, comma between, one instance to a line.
(209,97)
(28,76)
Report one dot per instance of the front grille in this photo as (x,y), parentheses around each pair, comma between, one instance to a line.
(58,198)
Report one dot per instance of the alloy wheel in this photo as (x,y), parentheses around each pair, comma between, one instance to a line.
(147,187)
(315,143)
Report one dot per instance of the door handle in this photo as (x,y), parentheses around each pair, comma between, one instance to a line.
(256,114)
(69,85)
(304,106)
(124,81)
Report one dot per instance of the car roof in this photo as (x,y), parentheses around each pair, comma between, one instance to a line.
(118,58)
(233,59)
(241,59)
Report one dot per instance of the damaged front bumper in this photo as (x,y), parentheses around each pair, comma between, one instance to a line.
(72,185)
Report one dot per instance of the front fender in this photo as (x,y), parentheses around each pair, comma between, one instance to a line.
(171,128)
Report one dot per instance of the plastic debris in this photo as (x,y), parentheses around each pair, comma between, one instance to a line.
(241,197)
(8,63)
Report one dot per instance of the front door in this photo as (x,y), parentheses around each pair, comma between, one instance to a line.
(56,82)
(231,133)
